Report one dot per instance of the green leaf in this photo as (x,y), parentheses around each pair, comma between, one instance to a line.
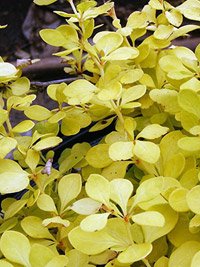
(108,42)
(120,192)
(20,86)
(162,262)
(193,199)
(47,143)
(79,92)
(146,151)
(23,126)
(71,38)
(94,222)
(184,254)
(12,177)
(190,9)
(86,206)
(53,37)
(7,144)
(33,227)
(177,200)
(153,131)
(37,113)
(122,53)
(135,253)
(8,224)
(196,260)
(46,203)
(69,188)
(98,156)
(40,255)
(151,218)
(15,247)
(191,144)
(98,188)
(121,150)
(44,2)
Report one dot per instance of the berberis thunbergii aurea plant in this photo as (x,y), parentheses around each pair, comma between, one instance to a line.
(134,198)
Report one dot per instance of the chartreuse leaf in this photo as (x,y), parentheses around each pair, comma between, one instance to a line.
(135,253)
(156,4)
(178,163)
(196,260)
(4,263)
(177,200)
(71,37)
(98,188)
(79,92)
(47,143)
(7,144)
(53,37)
(14,208)
(7,71)
(8,224)
(98,156)
(103,257)
(146,151)
(33,227)
(163,31)
(194,224)
(69,188)
(58,261)
(20,86)
(77,258)
(121,150)
(193,199)
(115,170)
(15,247)
(86,206)
(174,17)
(46,203)
(122,53)
(44,2)
(153,187)
(120,192)
(189,101)
(40,255)
(151,218)
(90,243)
(3,116)
(190,9)
(12,177)
(37,113)
(32,159)
(108,42)
(191,144)
(56,221)
(137,19)
(113,92)
(131,76)
(94,222)
(162,262)
(151,233)
(23,126)
(189,178)
(184,254)
(153,131)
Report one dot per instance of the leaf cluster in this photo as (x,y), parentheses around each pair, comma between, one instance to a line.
(133,199)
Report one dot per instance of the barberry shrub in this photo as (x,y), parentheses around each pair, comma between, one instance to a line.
(133,199)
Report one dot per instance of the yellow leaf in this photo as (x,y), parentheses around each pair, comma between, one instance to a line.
(23,126)
(37,113)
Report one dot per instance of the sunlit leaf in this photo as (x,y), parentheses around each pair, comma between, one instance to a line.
(98,156)
(94,222)
(40,255)
(146,151)
(86,206)
(46,203)
(15,247)
(193,199)
(135,253)
(151,218)
(177,200)
(153,131)
(121,150)
(68,188)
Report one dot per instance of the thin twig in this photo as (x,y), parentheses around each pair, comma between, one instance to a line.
(43,85)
